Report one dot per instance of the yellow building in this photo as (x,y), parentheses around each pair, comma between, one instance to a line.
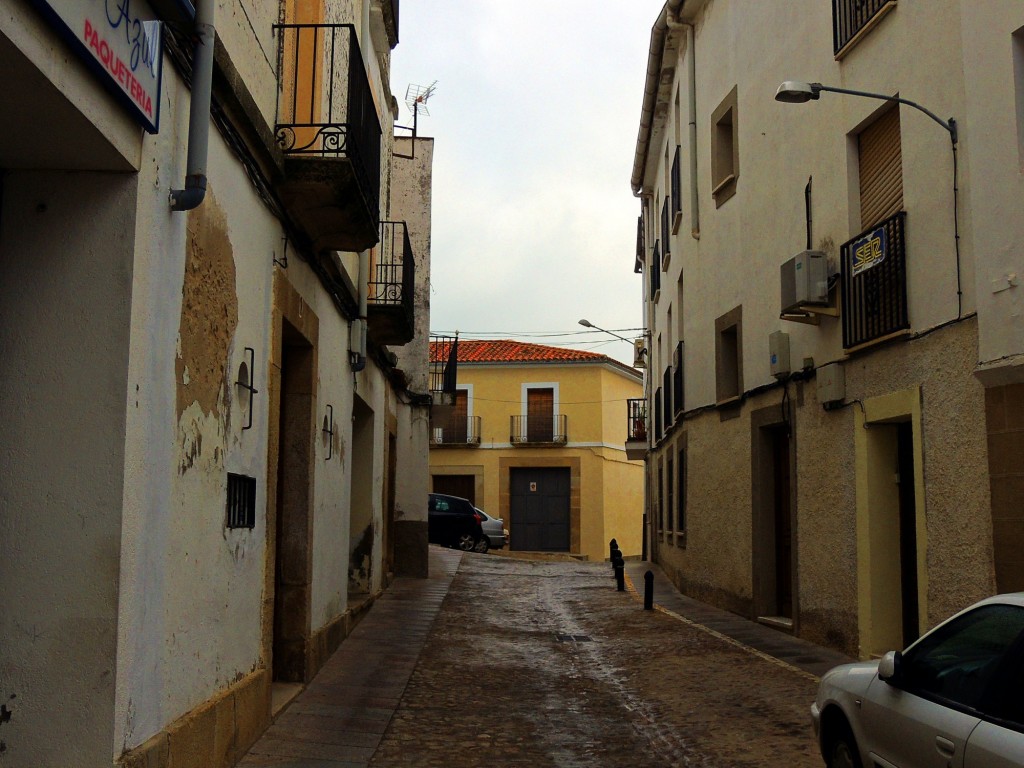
(536,437)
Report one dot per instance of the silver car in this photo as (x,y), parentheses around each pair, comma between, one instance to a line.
(495,536)
(953,699)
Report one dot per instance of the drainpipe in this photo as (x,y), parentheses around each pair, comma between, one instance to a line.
(357,339)
(691,54)
(199,112)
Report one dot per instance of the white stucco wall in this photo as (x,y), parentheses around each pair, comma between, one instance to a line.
(190,588)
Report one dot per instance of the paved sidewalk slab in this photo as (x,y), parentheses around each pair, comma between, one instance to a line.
(778,644)
(339,719)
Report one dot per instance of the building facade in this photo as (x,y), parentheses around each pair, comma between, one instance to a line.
(213,324)
(535,437)
(832,299)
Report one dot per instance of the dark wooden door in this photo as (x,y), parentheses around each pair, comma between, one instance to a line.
(463,486)
(540,510)
(540,415)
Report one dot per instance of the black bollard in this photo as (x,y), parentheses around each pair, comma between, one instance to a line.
(616,557)
(649,591)
(612,546)
(620,576)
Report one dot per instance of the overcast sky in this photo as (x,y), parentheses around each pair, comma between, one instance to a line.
(535,121)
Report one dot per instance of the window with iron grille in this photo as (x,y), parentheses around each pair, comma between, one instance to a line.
(241,502)
(661,497)
(852,17)
(677,380)
(677,183)
(665,228)
(655,270)
(640,255)
(729,355)
(657,416)
(667,390)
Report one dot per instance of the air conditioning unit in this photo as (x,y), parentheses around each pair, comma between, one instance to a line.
(804,281)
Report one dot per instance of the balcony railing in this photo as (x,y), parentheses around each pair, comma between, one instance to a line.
(851,16)
(874,269)
(457,431)
(328,128)
(539,430)
(636,428)
(655,270)
(677,380)
(636,419)
(391,317)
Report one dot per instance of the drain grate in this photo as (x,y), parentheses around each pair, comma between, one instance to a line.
(564,638)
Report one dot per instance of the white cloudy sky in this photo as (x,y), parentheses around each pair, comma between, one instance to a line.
(535,120)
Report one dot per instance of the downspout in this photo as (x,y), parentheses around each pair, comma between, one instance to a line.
(199,112)
(357,338)
(691,54)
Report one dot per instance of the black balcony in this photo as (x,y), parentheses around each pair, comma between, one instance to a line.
(636,428)
(677,380)
(456,431)
(874,268)
(390,312)
(328,128)
(849,17)
(539,430)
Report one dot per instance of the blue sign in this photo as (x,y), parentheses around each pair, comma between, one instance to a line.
(868,251)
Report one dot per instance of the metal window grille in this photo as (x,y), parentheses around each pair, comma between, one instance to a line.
(241,503)
(677,183)
(681,498)
(636,418)
(677,381)
(640,255)
(874,290)
(851,16)
(665,226)
(657,415)
(666,388)
(655,269)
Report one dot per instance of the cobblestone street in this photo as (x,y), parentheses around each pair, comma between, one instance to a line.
(543,663)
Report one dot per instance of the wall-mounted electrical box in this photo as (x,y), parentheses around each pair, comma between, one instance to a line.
(778,352)
(831,380)
(804,280)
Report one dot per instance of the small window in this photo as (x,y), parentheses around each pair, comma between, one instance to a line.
(670,494)
(725,154)
(852,19)
(729,356)
(661,498)
(880,165)
(241,503)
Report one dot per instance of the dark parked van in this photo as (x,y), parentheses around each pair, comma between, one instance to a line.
(453,522)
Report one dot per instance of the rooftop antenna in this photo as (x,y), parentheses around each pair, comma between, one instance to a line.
(416,97)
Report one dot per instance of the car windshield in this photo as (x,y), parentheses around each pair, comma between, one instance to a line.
(957,661)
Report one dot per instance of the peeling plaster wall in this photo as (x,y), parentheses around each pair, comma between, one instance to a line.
(65,282)
(191,589)
(411,202)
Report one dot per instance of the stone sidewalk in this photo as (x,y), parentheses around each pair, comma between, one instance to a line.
(371,704)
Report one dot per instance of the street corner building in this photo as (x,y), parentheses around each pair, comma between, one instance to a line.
(214,328)
(830,250)
(536,435)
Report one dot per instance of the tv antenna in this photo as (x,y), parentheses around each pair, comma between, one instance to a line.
(416,98)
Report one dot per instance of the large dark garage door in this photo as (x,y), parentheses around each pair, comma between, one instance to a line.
(540,510)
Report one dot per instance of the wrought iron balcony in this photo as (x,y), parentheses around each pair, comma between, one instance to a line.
(849,17)
(390,311)
(328,128)
(457,431)
(636,428)
(874,268)
(539,430)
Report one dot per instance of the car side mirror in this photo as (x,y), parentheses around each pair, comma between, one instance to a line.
(890,668)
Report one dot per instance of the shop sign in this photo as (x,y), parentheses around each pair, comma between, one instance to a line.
(122,41)
(869,251)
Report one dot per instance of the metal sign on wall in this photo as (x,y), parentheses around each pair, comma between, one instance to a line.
(122,41)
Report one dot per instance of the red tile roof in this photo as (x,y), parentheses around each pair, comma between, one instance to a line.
(508,351)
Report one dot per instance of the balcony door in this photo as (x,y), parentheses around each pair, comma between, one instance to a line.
(540,415)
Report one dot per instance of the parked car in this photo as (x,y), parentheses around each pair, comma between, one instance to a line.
(952,698)
(495,535)
(453,522)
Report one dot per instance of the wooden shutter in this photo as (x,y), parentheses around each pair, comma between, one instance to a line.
(881,169)
(540,413)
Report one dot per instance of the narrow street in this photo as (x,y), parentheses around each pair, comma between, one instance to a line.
(501,661)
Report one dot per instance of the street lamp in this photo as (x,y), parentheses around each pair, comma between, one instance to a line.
(587,324)
(799,92)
